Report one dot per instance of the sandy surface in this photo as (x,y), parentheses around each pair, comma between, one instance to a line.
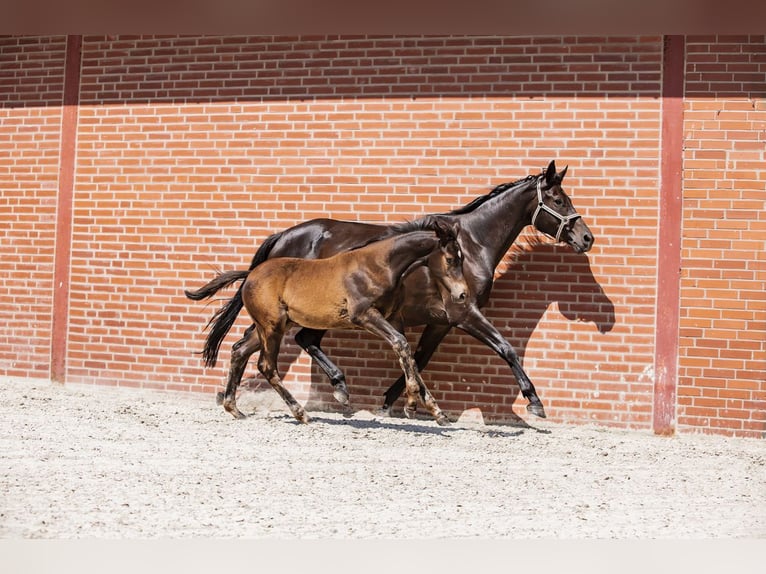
(85,462)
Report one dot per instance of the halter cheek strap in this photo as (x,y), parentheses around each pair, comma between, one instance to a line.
(563,219)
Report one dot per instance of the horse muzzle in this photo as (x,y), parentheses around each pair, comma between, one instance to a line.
(580,238)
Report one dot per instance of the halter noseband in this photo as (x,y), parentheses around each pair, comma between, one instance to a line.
(563,219)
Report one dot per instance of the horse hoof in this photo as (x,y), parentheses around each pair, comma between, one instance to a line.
(409,412)
(443,421)
(219,398)
(384,411)
(537,410)
(237,414)
(341,396)
(303,417)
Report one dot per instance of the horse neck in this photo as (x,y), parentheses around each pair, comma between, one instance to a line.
(496,223)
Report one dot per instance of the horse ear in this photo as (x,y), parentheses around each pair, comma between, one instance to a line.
(563,173)
(550,173)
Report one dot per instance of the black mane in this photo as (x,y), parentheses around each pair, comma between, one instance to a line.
(485,198)
(428,222)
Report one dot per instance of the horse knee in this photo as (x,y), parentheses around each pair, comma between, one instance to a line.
(267,368)
(401,346)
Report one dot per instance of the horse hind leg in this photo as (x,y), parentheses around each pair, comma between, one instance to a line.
(240,354)
(267,365)
(235,347)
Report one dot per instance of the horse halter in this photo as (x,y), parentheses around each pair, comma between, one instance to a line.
(563,219)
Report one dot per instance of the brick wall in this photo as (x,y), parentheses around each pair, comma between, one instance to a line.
(722,375)
(31,88)
(192,150)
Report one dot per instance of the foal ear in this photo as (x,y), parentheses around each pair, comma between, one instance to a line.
(550,173)
(444,231)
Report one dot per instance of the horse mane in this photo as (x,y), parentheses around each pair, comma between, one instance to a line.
(428,222)
(482,199)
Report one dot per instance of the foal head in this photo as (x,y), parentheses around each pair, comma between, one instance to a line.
(555,216)
(446,263)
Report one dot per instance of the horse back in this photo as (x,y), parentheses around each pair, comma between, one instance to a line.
(321,238)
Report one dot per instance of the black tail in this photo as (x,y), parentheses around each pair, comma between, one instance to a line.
(224,318)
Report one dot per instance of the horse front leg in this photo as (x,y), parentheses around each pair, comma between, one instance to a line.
(240,354)
(376,324)
(477,325)
(432,336)
(309,340)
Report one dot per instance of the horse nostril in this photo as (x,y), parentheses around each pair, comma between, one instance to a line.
(461,298)
(587,239)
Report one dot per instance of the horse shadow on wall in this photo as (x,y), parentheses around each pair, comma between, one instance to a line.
(538,275)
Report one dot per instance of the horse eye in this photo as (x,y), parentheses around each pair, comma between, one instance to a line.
(558,202)
(450,261)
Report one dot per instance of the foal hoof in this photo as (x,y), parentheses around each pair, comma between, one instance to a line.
(236,413)
(341,396)
(537,410)
(409,412)
(443,421)
(384,411)
(303,417)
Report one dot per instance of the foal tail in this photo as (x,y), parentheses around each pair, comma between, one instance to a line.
(220,323)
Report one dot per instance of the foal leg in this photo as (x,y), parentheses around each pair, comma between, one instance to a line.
(479,326)
(309,340)
(267,365)
(240,354)
(432,335)
(374,322)
(245,337)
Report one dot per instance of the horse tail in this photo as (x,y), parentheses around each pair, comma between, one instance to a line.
(221,281)
(223,319)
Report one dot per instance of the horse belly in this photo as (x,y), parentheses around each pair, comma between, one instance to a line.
(327,318)
(317,307)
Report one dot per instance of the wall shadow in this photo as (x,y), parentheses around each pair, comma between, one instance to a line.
(136,70)
(540,275)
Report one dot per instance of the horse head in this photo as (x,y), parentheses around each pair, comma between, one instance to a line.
(555,215)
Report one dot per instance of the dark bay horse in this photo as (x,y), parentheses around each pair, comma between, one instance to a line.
(489,225)
(356,289)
